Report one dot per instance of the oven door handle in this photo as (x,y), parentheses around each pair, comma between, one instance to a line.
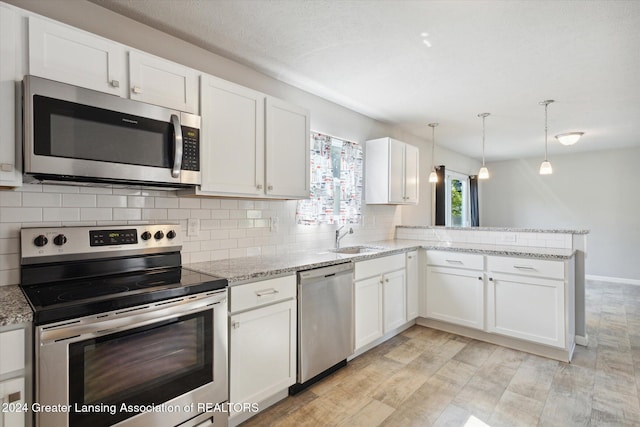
(177,146)
(126,319)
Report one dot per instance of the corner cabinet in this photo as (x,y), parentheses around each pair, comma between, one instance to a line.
(380,297)
(262,341)
(10,75)
(253,145)
(455,288)
(392,172)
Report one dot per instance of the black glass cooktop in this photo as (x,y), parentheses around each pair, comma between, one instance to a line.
(67,299)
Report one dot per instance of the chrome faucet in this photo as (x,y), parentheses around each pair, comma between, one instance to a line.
(339,237)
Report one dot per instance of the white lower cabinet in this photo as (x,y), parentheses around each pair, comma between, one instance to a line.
(262,339)
(12,369)
(413,284)
(532,305)
(380,297)
(455,294)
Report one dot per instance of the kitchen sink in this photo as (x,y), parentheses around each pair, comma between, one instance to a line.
(357,249)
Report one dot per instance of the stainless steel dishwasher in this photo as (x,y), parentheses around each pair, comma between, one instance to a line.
(325,322)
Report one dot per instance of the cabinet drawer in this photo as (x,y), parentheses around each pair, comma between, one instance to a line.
(455,259)
(378,266)
(526,266)
(256,294)
(11,351)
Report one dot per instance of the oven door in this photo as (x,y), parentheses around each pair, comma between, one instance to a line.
(163,364)
(75,133)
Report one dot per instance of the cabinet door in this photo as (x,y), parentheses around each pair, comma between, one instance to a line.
(456,296)
(394,300)
(12,393)
(528,308)
(233,138)
(396,171)
(411,174)
(72,56)
(158,81)
(10,174)
(288,158)
(368,310)
(412,285)
(262,352)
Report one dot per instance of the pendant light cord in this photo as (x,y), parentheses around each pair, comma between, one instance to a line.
(433,144)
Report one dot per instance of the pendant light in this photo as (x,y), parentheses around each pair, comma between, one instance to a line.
(545,167)
(484,172)
(433,176)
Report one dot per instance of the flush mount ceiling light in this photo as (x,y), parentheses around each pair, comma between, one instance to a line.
(484,172)
(569,138)
(433,176)
(545,167)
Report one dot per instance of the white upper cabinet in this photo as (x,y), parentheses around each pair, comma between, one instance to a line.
(287,147)
(392,172)
(160,82)
(72,56)
(10,174)
(253,145)
(232,138)
(69,55)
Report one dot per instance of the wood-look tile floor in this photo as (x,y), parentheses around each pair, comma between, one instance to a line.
(425,377)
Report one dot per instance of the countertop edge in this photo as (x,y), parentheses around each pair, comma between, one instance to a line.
(503,229)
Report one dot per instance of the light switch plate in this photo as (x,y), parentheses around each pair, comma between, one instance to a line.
(193,227)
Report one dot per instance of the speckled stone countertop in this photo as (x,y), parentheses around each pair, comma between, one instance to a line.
(504,229)
(242,270)
(14,307)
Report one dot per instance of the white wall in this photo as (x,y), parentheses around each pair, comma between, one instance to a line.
(594,190)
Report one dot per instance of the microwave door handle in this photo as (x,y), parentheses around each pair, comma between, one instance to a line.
(177,144)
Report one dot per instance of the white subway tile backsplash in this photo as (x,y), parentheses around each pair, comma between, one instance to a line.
(12,214)
(96,214)
(210,203)
(49,188)
(189,203)
(96,190)
(61,214)
(11,198)
(111,201)
(9,246)
(79,200)
(228,204)
(156,214)
(140,202)
(41,200)
(200,213)
(167,202)
(127,214)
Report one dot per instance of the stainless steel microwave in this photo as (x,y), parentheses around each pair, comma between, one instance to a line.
(80,135)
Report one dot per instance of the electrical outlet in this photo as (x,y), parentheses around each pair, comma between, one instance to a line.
(507,238)
(193,227)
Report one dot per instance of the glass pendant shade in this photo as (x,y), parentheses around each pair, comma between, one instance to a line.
(545,168)
(569,138)
(433,177)
(484,173)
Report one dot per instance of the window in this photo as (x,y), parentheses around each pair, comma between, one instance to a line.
(457,199)
(336,182)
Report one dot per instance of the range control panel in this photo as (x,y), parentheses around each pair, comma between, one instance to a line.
(39,244)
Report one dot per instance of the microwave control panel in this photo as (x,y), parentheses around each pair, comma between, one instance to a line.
(190,149)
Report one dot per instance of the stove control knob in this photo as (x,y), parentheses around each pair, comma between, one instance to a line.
(146,235)
(60,239)
(40,241)
(171,234)
(159,235)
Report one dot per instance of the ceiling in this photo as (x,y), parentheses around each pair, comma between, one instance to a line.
(501,57)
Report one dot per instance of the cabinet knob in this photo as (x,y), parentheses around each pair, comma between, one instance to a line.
(386,280)
(410,257)
(114,83)
(479,278)
(259,186)
(235,325)
(136,89)
(491,279)
(270,187)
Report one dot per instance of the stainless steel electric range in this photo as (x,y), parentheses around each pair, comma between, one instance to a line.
(123,334)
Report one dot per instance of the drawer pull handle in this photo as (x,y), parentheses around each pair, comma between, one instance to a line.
(479,278)
(266,292)
(235,325)
(136,89)
(454,261)
(114,83)
(524,267)
(14,397)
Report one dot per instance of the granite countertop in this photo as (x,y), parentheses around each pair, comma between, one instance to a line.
(14,307)
(242,270)
(505,229)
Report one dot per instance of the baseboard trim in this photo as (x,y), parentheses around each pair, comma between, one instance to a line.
(613,279)
(583,341)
